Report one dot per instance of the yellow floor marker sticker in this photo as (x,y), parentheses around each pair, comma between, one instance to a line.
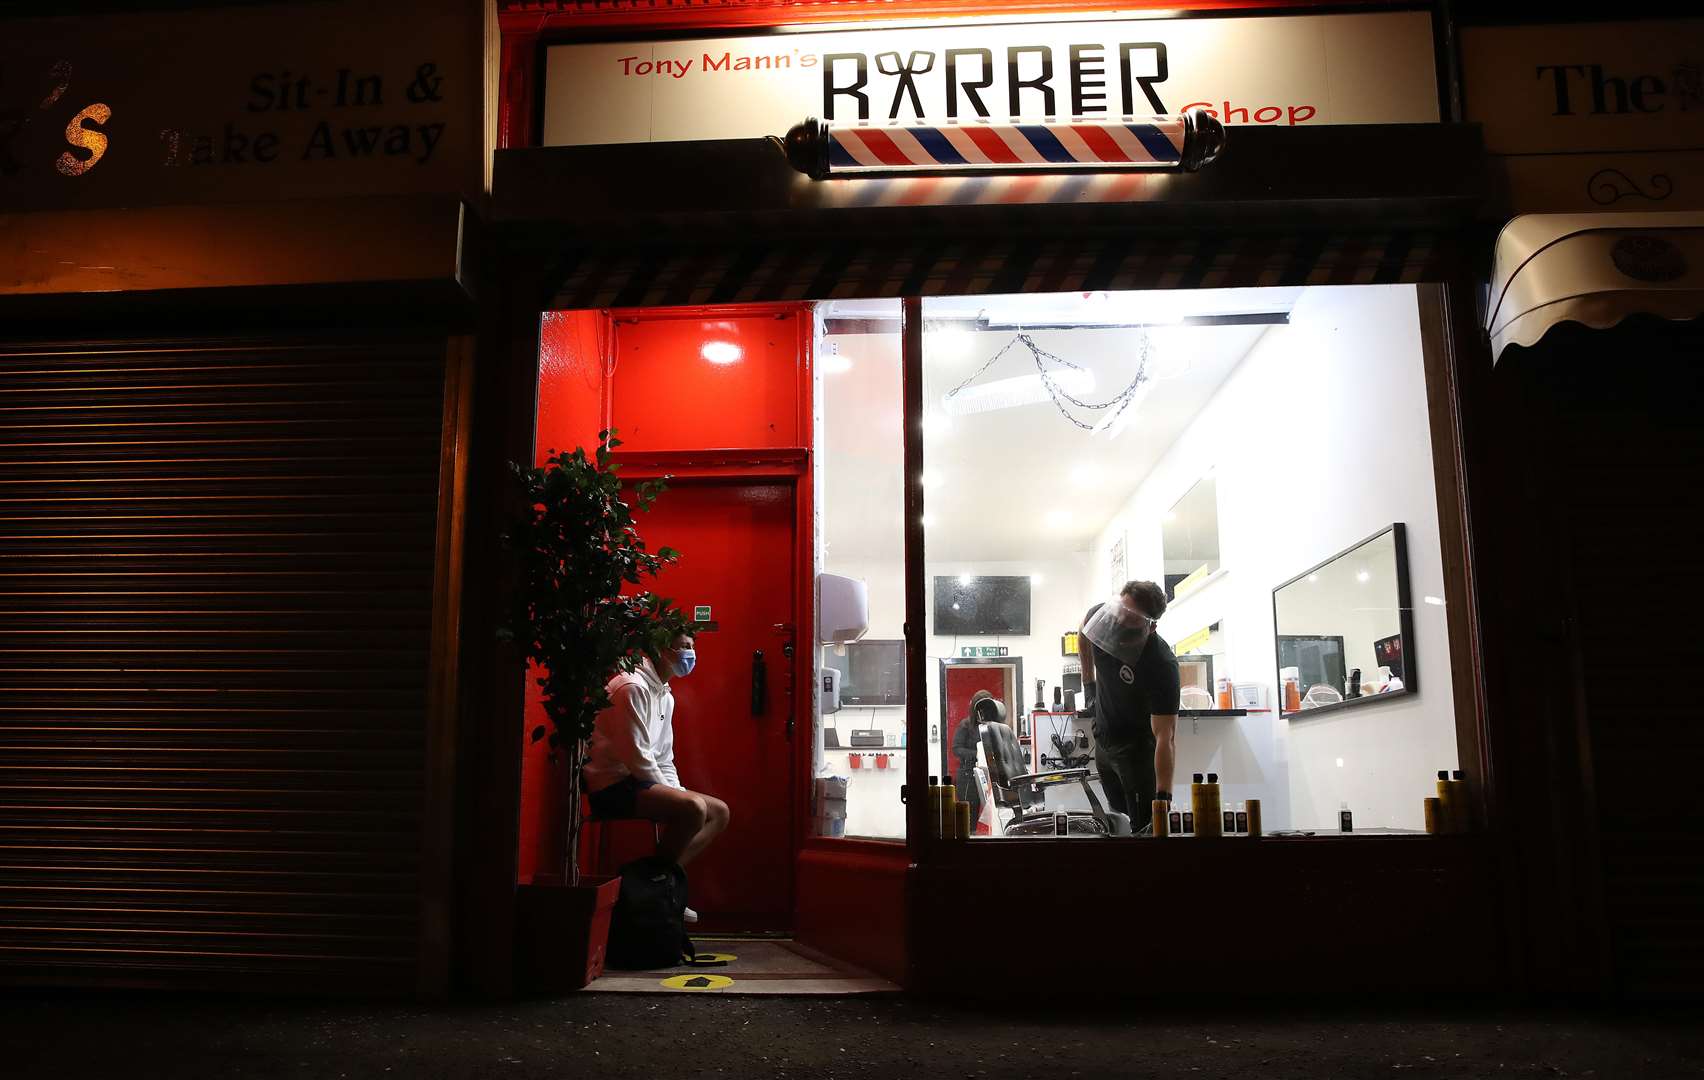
(698,982)
(712,957)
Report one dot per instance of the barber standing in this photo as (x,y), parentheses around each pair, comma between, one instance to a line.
(1130,674)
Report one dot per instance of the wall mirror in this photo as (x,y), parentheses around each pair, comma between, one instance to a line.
(1189,539)
(1345,629)
(1200,664)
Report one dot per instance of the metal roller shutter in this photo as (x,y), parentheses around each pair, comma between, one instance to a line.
(216,573)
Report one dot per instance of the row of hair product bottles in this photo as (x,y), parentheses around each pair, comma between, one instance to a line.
(1452,810)
(949,816)
(1207,815)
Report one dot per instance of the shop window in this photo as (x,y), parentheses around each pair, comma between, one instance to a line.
(860,746)
(1216,444)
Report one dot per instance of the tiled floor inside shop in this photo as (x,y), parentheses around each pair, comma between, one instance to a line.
(754,966)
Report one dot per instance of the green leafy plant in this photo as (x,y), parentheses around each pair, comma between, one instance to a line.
(576,546)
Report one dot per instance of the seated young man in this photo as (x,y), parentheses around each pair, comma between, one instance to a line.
(630,767)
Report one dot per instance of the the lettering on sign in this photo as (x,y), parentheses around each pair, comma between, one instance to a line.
(287,91)
(82,133)
(1589,89)
(1030,79)
(87,140)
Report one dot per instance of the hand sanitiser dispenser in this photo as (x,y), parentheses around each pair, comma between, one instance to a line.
(843,609)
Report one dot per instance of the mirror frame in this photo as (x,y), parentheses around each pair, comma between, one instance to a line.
(1405,623)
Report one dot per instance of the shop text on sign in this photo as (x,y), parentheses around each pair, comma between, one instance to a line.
(87,136)
(1024,80)
(1241,70)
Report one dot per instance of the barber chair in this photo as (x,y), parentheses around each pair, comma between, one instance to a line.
(1025,794)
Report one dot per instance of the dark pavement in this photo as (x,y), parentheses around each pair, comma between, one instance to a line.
(57,1035)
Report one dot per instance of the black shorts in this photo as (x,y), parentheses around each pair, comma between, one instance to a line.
(619,800)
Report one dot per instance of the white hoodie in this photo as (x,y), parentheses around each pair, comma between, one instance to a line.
(635,735)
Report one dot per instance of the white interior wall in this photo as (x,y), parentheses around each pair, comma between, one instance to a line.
(1319,439)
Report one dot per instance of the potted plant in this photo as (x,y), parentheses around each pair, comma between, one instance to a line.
(576,546)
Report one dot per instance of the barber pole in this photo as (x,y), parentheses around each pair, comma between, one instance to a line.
(1184,142)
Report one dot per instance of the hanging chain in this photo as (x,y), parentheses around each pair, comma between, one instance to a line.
(1058,394)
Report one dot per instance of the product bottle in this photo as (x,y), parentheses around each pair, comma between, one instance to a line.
(1158,809)
(1242,818)
(1345,820)
(1434,811)
(934,806)
(1446,802)
(1254,817)
(1205,799)
(1292,696)
(1175,821)
(1188,823)
(1225,694)
(949,808)
(962,827)
(1228,818)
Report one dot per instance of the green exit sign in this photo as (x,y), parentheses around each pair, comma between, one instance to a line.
(983,650)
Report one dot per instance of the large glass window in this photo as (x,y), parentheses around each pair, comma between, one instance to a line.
(1193,451)
(860,748)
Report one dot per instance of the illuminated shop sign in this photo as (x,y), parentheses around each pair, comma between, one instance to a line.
(1280,71)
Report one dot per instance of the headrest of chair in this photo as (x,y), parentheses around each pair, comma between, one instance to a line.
(988,710)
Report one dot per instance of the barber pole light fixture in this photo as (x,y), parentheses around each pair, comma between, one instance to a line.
(1184,142)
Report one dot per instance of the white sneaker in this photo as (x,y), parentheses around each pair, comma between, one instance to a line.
(691,915)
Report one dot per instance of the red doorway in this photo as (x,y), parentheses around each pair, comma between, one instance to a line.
(718,400)
(735,719)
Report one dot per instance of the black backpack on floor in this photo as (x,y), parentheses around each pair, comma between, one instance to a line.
(648,927)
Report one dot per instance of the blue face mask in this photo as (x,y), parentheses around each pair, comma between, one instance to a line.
(684,661)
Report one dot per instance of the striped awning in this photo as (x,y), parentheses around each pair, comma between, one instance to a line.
(841,268)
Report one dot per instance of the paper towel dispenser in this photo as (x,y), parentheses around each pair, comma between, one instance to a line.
(843,609)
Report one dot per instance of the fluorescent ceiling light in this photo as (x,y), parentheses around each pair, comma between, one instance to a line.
(721,352)
(1017,391)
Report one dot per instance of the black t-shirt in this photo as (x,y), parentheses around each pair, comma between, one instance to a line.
(1127,697)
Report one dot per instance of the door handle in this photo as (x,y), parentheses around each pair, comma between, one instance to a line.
(759,684)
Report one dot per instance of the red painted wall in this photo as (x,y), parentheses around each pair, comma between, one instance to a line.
(667,396)
(573,346)
(852,905)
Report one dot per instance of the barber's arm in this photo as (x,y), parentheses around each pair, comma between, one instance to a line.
(1165,750)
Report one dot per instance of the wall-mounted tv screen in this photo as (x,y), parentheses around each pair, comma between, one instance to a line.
(982,605)
(871,672)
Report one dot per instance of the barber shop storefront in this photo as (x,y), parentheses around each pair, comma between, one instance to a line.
(944,330)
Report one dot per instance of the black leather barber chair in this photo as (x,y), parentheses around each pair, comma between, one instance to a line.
(1025,793)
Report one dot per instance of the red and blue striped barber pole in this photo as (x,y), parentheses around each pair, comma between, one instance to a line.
(1183,142)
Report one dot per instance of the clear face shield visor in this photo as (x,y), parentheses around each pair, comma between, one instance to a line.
(1119,630)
